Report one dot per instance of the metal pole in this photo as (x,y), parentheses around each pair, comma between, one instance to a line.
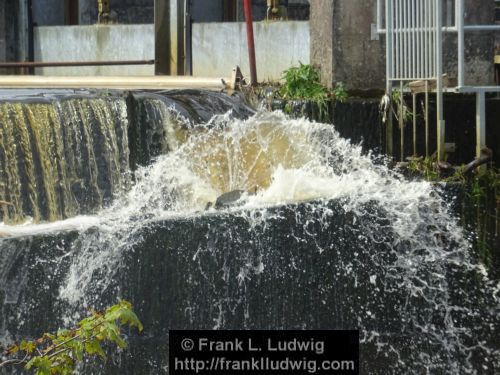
(426,39)
(188,41)
(426,118)
(414,104)
(482,28)
(459,22)
(389,43)
(250,41)
(401,120)
(480,122)
(439,82)
(388,46)
(41,64)
(379,15)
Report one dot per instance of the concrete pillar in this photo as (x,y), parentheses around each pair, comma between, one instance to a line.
(344,44)
(322,12)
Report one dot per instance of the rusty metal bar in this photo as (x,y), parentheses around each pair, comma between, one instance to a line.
(55,64)
(250,42)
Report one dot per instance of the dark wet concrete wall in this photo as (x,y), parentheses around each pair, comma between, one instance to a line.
(359,120)
(222,272)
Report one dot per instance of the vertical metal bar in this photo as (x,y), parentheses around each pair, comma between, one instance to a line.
(401,120)
(401,39)
(432,35)
(480,122)
(393,39)
(379,15)
(413,40)
(174,37)
(410,39)
(389,70)
(426,116)
(250,41)
(449,12)
(419,39)
(404,22)
(414,107)
(388,44)
(459,14)
(188,25)
(396,37)
(439,80)
(426,39)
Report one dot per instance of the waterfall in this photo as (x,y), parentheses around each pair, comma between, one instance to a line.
(61,158)
(323,236)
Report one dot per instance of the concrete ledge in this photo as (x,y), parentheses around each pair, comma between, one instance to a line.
(112,82)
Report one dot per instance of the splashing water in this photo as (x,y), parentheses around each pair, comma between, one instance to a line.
(279,161)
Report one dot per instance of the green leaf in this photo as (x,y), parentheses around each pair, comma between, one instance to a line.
(93,347)
(41,364)
(27,346)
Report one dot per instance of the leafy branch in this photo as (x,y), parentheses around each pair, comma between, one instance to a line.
(58,353)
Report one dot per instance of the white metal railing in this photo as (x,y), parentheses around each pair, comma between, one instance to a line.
(415,22)
(412,33)
(414,30)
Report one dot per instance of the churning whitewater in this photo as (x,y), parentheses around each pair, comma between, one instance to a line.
(408,245)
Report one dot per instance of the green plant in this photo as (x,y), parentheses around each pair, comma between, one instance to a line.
(340,93)
(58,353)
(399,106)
(425,167)
(303,83)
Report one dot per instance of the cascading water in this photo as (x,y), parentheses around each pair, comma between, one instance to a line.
(324,237)
(60,158)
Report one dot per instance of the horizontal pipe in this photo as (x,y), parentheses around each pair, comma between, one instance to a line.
(452,29)
(482,28)
(111,82)
(56,64)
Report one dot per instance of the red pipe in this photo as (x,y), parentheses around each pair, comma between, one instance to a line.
(251,45)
